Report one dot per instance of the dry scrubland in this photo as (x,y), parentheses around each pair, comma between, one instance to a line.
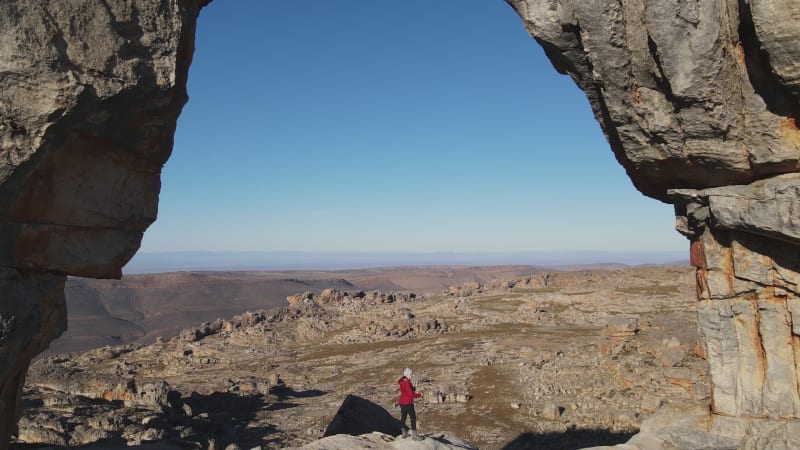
(553,360)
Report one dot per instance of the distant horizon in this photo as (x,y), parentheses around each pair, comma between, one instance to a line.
(200,260)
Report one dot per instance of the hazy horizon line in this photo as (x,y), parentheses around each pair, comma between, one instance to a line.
(197,260)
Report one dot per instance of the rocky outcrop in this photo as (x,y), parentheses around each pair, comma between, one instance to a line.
(358,416)
(747,283)
(381,441)
(90,92)
(689,95)
(264,379)
(700,102)
(32,314)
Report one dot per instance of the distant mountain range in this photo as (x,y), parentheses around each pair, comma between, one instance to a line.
(199,260)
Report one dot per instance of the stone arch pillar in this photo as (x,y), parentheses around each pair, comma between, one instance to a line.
(90,92)
(698,101)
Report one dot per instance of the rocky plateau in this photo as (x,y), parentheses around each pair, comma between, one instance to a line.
(552,360)
(139,308)
(699,101)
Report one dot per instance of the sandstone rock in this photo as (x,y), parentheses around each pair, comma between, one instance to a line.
(690,96)
(461,397)
(434,397)
(132,393)
(551,411)
(447,396)
(109,422)
(671,352)
(682,377)
(40,435)
(189,335)
(67,118)
(296,300)
(33,313)
(651,403)
(314,373)
(380,441)
(673,120)
(42,431)
(88,119)
(147,435)
(83,435)
(358,416)
(672,117)
(621,327)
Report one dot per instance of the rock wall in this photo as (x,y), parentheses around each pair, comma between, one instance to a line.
(32,313)
(748,273)
(700,102)
(90,92)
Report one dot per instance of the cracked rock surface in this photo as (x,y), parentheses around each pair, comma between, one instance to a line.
(696,98)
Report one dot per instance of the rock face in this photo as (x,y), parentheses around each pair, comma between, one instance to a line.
(32,314)
(700,102)
(747,282)
(689,94)
(90,92)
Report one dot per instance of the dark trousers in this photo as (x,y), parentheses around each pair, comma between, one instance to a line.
(408,410)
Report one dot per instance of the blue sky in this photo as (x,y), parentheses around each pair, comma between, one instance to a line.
(377,126)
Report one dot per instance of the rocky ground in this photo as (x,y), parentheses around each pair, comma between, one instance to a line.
(554,360)
(139,308)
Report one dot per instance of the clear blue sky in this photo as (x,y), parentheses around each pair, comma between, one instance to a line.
(369,125)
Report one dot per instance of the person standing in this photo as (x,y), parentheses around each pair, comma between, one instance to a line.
(407,395)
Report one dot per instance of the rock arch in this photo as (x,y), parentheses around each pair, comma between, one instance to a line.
(699,101)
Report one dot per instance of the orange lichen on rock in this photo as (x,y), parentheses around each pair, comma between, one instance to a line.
(789,132)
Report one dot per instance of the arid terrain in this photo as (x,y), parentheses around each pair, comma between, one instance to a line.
(139,308)
(547,360)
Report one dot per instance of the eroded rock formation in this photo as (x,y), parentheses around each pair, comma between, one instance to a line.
(90,91)
(700,102)
(689,94)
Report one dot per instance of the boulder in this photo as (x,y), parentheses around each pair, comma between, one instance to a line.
(381,441)
(551,411)
(358,416)
(90,93)
(700,103)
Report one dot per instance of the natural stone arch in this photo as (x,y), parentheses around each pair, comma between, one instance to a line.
(698,100)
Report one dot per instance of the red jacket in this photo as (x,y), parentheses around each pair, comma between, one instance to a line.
(407,392)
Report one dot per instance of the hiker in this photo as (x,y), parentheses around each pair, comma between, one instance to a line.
(407,396)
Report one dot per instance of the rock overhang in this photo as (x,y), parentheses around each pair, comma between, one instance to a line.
(700,103)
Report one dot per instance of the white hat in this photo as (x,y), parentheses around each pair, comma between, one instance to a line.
(407,372)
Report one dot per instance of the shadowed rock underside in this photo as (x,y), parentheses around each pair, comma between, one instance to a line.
(698,100)
(90,92)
